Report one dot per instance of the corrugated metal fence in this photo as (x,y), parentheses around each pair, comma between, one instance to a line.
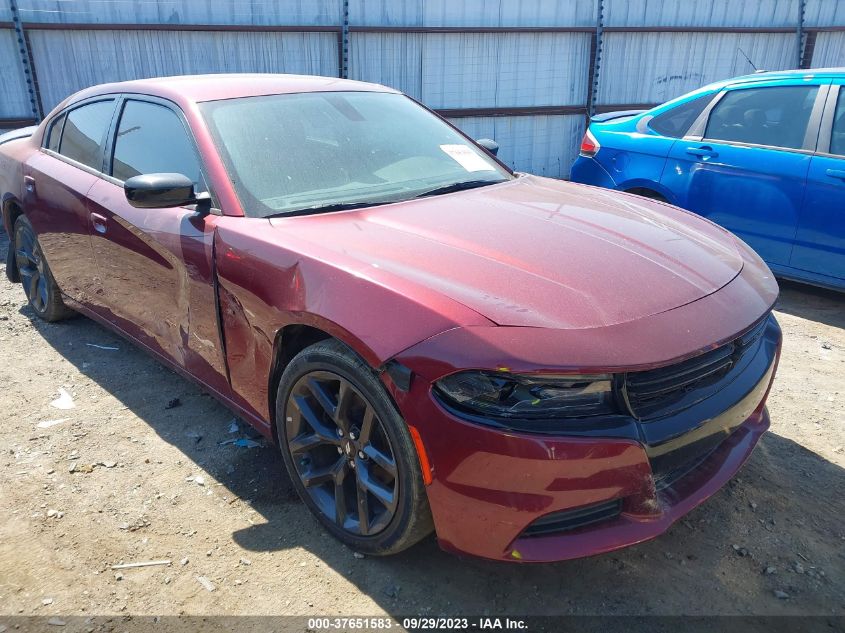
(525,73)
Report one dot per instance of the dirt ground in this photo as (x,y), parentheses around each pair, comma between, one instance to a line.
(166,485)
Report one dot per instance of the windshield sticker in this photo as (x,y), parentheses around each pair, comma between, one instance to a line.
(467,158)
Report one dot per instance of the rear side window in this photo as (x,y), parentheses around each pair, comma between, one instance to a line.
(837,134)
(152,139)
(84,131)
(54,134)
(774,116)
(678,120)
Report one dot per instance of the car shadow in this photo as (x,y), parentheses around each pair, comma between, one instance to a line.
(812,303)
(786,502)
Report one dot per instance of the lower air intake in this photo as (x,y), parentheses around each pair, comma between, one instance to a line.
(568,520)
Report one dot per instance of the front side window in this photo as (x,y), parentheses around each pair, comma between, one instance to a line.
(837,134)
(772,116)
(152,139)
(323,150)
(84,132)
(678,120)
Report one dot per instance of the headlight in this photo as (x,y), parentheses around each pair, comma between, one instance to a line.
(507,395)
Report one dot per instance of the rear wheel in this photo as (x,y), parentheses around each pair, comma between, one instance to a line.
(40,288)
(348,451)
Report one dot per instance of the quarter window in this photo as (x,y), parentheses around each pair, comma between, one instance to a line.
(152,139)
(774,116)
(84,131)
(54,134)
(837,134)
(678,120)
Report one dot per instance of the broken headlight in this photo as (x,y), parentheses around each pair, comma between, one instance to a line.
(505,395)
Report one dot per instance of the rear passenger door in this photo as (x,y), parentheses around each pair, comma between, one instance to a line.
(57,181)
(820,241)
(156,264)
(744,164)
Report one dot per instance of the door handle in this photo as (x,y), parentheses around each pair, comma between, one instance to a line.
(836,173)
(99,222)
(703,151)
(29,184)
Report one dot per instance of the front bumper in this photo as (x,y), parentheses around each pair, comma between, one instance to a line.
(491,487)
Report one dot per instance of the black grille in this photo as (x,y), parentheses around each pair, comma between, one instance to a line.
(567,520)
(666,390)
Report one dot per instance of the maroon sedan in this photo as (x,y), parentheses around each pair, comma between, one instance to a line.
(533,369)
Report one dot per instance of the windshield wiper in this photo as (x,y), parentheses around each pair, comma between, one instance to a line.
(343,206)
(457,186)
(336,206)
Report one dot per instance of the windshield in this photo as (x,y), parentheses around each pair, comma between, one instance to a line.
(330,150)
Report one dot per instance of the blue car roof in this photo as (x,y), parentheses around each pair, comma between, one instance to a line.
(766,75)
(769,75)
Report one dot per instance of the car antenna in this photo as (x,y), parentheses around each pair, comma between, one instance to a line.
(748,58)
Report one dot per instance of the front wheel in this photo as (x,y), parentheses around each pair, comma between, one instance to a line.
(40,288)
(348,451)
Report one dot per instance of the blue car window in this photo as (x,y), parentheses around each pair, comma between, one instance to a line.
(837,134)
(773,116)
(676,121)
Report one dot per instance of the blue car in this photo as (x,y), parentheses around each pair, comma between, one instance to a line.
(762,155)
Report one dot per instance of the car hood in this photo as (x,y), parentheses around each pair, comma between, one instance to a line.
(535,252)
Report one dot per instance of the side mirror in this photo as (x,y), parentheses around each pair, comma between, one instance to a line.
(158,191)
(489,144)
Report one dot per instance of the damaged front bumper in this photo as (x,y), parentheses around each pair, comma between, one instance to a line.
(516,496)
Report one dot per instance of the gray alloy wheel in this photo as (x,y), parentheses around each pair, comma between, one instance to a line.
(342,454)
(38,284)
(348,452)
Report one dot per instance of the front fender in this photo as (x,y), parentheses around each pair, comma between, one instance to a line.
(268,280)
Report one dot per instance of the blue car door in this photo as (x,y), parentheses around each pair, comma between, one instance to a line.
(820,240)
(744,163)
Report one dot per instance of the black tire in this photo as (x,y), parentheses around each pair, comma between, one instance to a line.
(40,287)
(310,452)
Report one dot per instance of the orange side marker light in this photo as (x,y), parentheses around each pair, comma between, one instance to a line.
(425,465)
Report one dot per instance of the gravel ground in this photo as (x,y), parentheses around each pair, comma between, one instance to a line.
(136,472)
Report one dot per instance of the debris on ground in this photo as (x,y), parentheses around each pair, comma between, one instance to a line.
(243,442)
(205,582)
(146,563)
(741,551)
(173,403)
(64,401)
(46,424)
(105,347)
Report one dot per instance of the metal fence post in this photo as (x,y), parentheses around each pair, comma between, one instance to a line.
(799,33)
(24,58)
(344,42)
(595,61)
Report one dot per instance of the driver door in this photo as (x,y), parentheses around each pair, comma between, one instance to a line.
(746,166)
(156,264)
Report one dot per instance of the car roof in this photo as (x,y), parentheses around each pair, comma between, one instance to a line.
(774,75)
(760,76)
(197,88)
